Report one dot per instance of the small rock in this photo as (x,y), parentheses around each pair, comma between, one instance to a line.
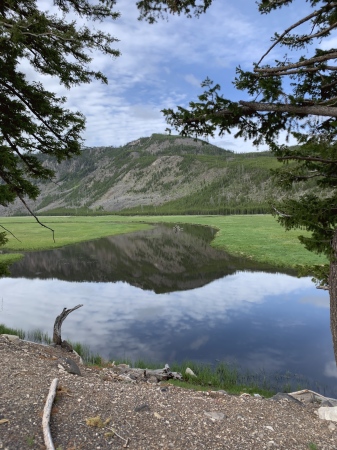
(142,408)
(70,366)
(11,337)
(328,413)
(79,357)
(221,391)
(331,427)
(61,368)
(123,366)
(157,415)
(269,428)
(257,396)
(190,372)
(214,415)
(217,393)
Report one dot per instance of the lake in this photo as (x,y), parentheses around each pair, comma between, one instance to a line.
(164,296)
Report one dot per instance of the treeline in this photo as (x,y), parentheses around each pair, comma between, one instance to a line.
(160,211)
(154,211)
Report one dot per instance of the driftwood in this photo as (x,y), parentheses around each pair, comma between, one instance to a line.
(57,339)
(164,374)
(46,415)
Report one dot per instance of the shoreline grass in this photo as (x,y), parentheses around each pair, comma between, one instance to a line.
(219,376)
(257,237)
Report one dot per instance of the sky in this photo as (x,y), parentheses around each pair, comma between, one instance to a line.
(162,66)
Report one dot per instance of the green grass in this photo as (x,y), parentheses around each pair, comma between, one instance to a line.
(89,357)
(38,336)
(30,441)
(16,331)
(312,446)
(68,230)
(258,237)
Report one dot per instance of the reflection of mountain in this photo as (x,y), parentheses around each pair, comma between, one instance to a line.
(160,259)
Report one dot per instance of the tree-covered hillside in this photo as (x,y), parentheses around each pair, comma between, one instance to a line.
(158,174)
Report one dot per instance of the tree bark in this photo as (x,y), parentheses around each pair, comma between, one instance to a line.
(57,339)
(333,293)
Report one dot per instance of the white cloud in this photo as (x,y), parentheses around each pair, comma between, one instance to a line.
(162,66)
(190,78)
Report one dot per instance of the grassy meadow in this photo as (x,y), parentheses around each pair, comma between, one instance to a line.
(258,237)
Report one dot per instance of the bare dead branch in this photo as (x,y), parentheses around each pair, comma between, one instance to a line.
(280,213)
(35,217)
(295,25)
(8,231)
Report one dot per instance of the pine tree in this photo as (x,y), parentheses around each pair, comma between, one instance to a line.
(34,120)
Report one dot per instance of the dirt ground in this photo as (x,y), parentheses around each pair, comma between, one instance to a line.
(99,411)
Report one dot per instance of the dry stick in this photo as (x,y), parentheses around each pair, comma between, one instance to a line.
(127,440)
(46,415)
(36,218)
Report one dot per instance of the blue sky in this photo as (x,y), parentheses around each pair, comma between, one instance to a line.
(162,65)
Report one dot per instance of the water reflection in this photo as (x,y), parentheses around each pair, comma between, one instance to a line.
(256,319)
(160,259)
(261,320)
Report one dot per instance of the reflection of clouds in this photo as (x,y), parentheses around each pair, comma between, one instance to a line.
(126,319)
(289,323)
(269,359)
(199,342)
(320,301)
(330,369)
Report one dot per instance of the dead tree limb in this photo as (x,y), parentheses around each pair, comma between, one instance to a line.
(57,327)
(46,415)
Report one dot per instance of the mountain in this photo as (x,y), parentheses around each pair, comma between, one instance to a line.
(157,174)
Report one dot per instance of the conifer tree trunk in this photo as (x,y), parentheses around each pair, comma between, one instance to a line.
(333,293)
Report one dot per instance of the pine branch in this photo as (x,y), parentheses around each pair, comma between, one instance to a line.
(295,25)
(305,62)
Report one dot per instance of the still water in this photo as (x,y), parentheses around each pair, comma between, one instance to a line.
(165,296)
